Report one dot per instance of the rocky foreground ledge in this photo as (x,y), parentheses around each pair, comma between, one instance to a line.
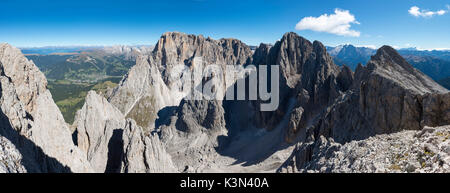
(425,151)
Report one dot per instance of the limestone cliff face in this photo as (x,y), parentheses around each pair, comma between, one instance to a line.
(144,153)
(10,157)
(26,77)
(178,48)
(386,96)
(317,99)
(149,86)
(113,144)
(308,82)
(31,120)
(98,125)
(142,93)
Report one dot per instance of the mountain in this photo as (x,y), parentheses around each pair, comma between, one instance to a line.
(445,82)
(328,118)
(48,50)
(432,66)
(351,55)
(405,151)
(441,54)
(435,64)
(387,96)
(31,122)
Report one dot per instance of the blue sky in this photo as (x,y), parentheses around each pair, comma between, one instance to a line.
(378,22)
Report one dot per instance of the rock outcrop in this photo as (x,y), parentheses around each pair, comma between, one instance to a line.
(31,120)
(308,82)
(422,151)
(10,157)
(113,144)
(99,126)
(144,153)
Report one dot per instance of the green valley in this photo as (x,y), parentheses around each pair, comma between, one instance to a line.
(71,73)
(70,96)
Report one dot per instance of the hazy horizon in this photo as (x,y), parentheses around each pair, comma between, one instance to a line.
(402,24)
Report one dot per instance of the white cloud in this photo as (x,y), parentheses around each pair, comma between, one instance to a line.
(338,23)
(416,12)
(367,46)
(442,49)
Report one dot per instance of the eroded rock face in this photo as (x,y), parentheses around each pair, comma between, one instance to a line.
(28,80)
(345,78)
(10,157)
(149,86)
(436,109)
(114,144)
(387,96)
(144,153)
(317,99)
(30,115)
(178,48)
(192,132)
(307,81)
(98,128)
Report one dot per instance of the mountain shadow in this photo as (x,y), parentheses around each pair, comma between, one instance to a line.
(33,157)
(115,152)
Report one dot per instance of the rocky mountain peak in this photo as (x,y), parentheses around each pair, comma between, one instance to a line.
(180,48)
(348,49)
(261,53)
(292,40)
(149,86)
(323,59)
(291,36)
(388,63)
(387,55)
(31,120)
(319,47)
(24,74)
(172,40)
(291,53)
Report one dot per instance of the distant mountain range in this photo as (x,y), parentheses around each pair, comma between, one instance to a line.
(58,49)
(350,55)
(84,64)
(435,63)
